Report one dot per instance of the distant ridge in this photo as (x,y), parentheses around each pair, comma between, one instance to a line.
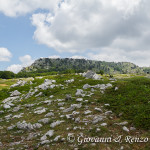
(81,65)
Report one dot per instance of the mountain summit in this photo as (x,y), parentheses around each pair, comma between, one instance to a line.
(81,65)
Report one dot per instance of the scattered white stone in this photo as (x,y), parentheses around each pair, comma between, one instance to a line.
(98,109)
(1,112)
(75,113)
(45,142)
(54,124)
(79,99)
(52,86)
(15,93)
(31,136)
(102,92)
(69,81)
(97,77)
(60,100)
(47,84)
(71,108)
(77,105)
(122,123)
(108,85)
(14,143)
(6,106)
(30,93)
(68,97)
(79,92)
(39,110)
(50,114)
(93,144)
(38,77)
(27,126)
(44,120)
(10,99)
(15,109)
(19,83)
(92,75)
(77,120)
(116,88)
(92,90)
(57,138)
(132,128)
(37,125)
(86,86)
(50,133)
(40,94)
(62,116)
(97,119)
(108,112)
(11,127)
(31,83)
(18,116)
(125,129)
(51,96)
(98,129)
(102,86)
(104,124)
(87,112)
(8,117)
(69,116)
(61,104)
(29,105)
(62,108)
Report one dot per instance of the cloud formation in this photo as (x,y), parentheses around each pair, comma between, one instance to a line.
(110,30)
(14,68)
(54,56)
(80,25)
(25,61)
(78,57)
(14,8)
(5,54)
(99,26)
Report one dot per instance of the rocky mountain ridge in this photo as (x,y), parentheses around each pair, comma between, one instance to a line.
(82,65)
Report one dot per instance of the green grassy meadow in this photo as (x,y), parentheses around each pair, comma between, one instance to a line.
(130,102)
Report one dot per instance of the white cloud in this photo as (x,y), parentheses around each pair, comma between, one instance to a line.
(14,68)
(77,26)
(54,56)
(110,30)
(5,54)
(140,58)
(78,57)
(15,8)
(25,61)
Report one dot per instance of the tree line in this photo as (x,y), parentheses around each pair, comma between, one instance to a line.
(40,72)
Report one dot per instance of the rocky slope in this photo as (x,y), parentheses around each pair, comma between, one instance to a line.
(48,64)
(63,112)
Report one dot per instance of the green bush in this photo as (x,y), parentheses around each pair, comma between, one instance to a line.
(6,75)
(132,99)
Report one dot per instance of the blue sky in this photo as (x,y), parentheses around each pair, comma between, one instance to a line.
(106,30)
(16,34)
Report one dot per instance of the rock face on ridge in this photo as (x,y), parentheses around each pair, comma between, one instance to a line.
(49,64)
(91,75)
